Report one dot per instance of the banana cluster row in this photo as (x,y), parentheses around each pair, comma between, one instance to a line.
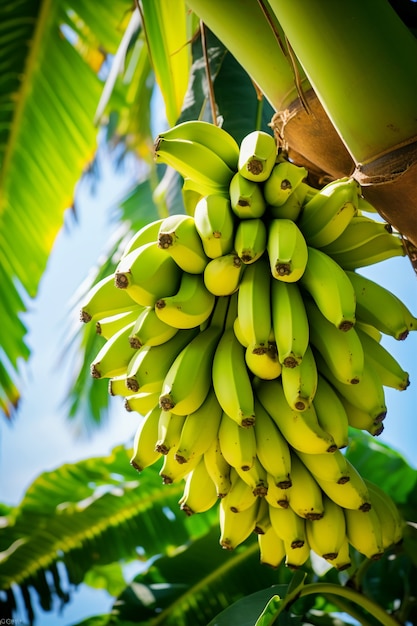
(244,336)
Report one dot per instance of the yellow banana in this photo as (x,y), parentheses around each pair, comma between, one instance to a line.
(231,381)
(214,220)
(353,494)
(327,214)
(257,155)
(287,250)
(392,525)
(271,549)
(237,329)
(117,386)
(364,532)
(295,557)
(385,365)
(147,234)
(263,360)
(300,428)
(218,468)
(289,526)
(173,472)
(103,300)
(238,445)
(327,534)
(256,477)
(223,275)
(187,156)
(190,306)
(379,307)
(106,327)
(200,429)
(147,273)
(305,496)
(283,181)
(246,198)
(199,491)
(179,237)
(114,356)
(263,522)
(300,383)
(169,431)
(150,330)
(342,351)
(360,419)
(253,303)
(342,561)
(289,322)
(144,453)
(272,449)
(250,240)
(240,496)
(330,288)
(327,466)
(235,528)
(142,402)
(331,413)
(276,496)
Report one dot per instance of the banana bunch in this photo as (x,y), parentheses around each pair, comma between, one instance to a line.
(247,340)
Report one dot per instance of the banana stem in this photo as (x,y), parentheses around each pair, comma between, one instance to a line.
(360,59)
(208,74)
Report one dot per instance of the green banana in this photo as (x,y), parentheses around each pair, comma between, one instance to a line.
(331,413)
(147,234)
(147,273)
(141,402)
(289,322)
(282,182)
(386,366)
(392,524)
(218,468)
(257,155)
(378,307)
(250,239)
(360,231)
(144,453)
(238,445)
(380,248)
(300,383)
(360,419)
(246,198)
(253,303)
(114,356)
(330,288)
(287,250)
(199,493)
(305,496)
(214,220)
(272,449)
(117,386)
(103,300)
(190,306)
(262,360)
(106,327)
(327,214)
(169,431)
(364,532)
(353,494)
(179,237)
(327,534)
(271,549)
(292,207)
(235,528)
(150,330)
(332,467)
(223,275)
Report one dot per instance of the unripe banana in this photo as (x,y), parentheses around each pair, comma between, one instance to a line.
(386,366)
(142,402)
(289,526)
(392,525)
(211,136)
(360,419)
(364,532)
(190,306)
(199,491)
(193,192)
(300,383)
(271,549)
(283,181)
(332,467)
(360,231)
(144,453)
(106,327)
(179,237)
(263,361)
(223,275)
(218,468)
(237,329)
(150,330)
(327,534)
(380,247)
(328,213)
(240,496)
(246,198)
(169,431)
(147,273)
(257,156)
(331,413)
(214,220)
(250,240)
(117,386)
(238,445)
(147,234)
(289,322)
(103,300)
(235,528)
(253,303)
(305,496)
(114,356)
(272,449)
(353,494)
(287,250)
(292,207)
(330,288)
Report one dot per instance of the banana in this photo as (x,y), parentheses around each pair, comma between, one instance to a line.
(271,549)
(327,214)
(106,327)
(327,534)
(379,307)
(190,306)
(305,496)
(200,429)
(150,330)
(246,198)
(250,240)
(282,182)
(385,365)
(292,207)
(342,351)
(218,468)
(257,155)
(295,557)
(368,395)
(287,250)
(209,135)
(353,494)
(114,356)
(271,447)
(117,386)
(330,288)
(147,273)
(256,477)
(169,431)
(214,220)
(193,192)
(369,330)
(253,303)
(301,429)
(360,419)
(289,526)
(231,381)
(237,329)
(342,561)
(147,234)
(238,445)
(103,300)
(144,453)
(276,496)
(173,472)
(187,157)
(364,532)
(150,364)
(392,525)
(289,322)
(332,467)
(179,237)
(235,528)
(263,523)
(360,231)
(331,413)
(263,361)
(223,275)
(300,383)
(382,247)
(142,402)
(199,493)
(240,496)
